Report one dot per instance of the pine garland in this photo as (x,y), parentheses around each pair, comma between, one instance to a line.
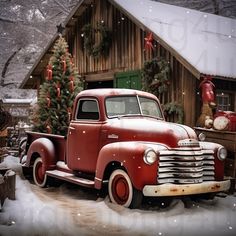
(173,108)
(96,49)
(156,80)
(156,76)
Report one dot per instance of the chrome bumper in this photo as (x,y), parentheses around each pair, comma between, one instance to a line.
(164,190)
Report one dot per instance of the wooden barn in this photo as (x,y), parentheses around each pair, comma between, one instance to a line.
(126,34)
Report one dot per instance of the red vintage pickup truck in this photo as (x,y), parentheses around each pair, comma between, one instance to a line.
(118,139)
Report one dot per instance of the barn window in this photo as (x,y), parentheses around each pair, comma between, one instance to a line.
(223,101)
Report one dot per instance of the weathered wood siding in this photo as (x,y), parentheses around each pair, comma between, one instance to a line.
(127,53)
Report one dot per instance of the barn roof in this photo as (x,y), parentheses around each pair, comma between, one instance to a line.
(203,42)
(206,41)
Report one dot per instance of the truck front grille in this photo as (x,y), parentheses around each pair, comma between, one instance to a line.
(186,167)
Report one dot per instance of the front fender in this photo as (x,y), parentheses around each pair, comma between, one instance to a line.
(130,156)
(45,149)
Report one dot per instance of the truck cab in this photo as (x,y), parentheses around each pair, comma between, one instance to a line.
(118,139)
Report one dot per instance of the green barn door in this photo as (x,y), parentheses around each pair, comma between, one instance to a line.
(130,80)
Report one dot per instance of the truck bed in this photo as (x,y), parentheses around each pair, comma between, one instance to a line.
(58,141)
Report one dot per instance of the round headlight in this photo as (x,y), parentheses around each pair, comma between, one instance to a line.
(202,137)
(150,156)
(222,153)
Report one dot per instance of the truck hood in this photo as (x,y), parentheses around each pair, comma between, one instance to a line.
(148,130)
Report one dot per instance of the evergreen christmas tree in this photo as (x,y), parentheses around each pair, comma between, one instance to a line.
(57,93)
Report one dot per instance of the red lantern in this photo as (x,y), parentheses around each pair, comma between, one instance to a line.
(207,88)
(148,42)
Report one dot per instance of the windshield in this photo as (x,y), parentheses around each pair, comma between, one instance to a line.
(132,105)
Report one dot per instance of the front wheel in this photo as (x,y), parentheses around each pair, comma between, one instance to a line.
(40,178)
(121,190)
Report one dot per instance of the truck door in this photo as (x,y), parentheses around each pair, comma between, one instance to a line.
(83,136)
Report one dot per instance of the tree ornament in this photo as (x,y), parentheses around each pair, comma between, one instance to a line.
(72,61)
(71,84)
(69,110)
(49,129)
(48,102)
(63,63)
(148,42)
(58,88)
(49,72)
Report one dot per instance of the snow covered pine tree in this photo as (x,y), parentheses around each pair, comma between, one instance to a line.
(57,93)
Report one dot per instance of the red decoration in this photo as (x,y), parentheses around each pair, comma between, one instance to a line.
(207,88)
(48,102)
(71,83)
(72,61)
(49,129)
(58,87)
(69,110)
(49,72)
(63,63)
(148,42)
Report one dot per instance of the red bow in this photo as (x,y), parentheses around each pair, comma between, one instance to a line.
(148,42)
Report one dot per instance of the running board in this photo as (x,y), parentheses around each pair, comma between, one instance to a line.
(70,178)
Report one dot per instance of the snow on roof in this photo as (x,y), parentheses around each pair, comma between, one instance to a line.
(206,41)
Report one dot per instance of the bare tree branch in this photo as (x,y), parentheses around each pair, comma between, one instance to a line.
(7,63)
(10,20)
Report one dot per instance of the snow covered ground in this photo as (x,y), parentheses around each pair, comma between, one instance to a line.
(70,210)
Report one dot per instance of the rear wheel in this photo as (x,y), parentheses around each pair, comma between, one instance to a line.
(121,190)
(40,178)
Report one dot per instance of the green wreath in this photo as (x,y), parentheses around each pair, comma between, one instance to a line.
(100,48)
